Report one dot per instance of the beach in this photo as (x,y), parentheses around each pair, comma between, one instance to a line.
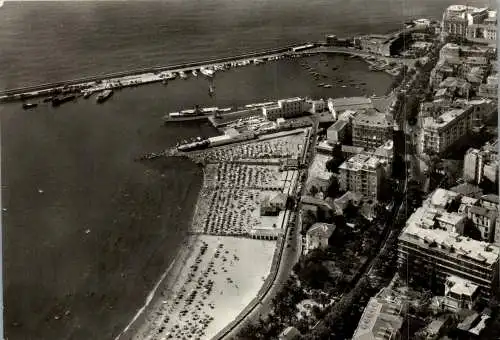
(226,260)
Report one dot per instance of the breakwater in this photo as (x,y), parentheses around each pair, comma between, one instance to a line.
(141,76)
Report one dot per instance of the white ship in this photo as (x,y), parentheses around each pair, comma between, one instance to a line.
(207,72)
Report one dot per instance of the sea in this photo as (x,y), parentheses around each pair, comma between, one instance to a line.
(87,231)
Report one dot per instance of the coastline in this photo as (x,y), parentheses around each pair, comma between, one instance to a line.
(169,278)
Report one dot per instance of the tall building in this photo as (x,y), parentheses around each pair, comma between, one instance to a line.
(363,174)
(371,128)
(441,132)
(426,250)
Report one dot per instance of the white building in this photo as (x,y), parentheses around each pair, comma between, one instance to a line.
(363,174)
(318,235)
(441,132)
(339,105)
(459,294)
(337,132)
(286,108)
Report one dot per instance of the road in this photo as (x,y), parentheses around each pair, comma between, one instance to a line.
(290,256)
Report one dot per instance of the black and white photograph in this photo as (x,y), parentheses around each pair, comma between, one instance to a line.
(249,170)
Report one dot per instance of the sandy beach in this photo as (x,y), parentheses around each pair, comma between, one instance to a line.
(210,284)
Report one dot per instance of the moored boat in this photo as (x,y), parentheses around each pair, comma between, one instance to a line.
(105,95)
(29,105)
(63,99)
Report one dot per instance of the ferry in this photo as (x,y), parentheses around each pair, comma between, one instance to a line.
(189,115)
(63,99)
(182,75)
(27,106)
(105,95)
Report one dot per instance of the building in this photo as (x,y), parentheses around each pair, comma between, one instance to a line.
(489,201)
(286,108)
(272,204)
(317,106)
(469,23)
(337,132)
(490,89)
(441,132)
(339,105)
(481,164)
(484,219)
(382,318)
(459,294)
(318,235)
(451,50)
(442,253)
(371,128)
(363,174)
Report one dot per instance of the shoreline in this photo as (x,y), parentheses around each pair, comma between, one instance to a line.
(166,283)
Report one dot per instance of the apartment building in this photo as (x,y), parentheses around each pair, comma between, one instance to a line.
(484,219)
(371,128)
(446,253)
(441,132)
(363,174)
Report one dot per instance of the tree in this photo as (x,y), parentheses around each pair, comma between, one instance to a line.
(314,190)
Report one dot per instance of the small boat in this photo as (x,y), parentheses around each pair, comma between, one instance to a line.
(321,84)
(211,90)
(61,100)
(87,94)
(164,82)
(105,95)
(182,75)
(195,74)
(327,86)
(344,85)
(27,106)
(207,72)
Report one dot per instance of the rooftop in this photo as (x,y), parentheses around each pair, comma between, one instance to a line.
(481,211)
(323,230)
(361,162)
(373,117)
(380,318)
(490,198)
(443,120)
(338,125)
(460,286)
(346,102)
(418,231)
